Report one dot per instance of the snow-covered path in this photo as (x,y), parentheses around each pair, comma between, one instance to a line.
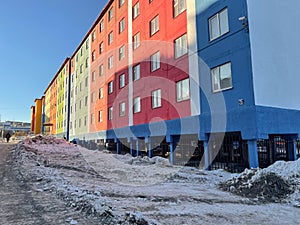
(125,190)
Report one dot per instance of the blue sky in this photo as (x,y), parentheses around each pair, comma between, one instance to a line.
(35,38)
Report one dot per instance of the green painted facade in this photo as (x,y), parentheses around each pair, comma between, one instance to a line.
(82,73)
(60,117)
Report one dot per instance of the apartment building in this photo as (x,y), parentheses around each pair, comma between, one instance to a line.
(198,82)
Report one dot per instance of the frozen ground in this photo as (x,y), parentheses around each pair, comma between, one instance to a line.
(118,189)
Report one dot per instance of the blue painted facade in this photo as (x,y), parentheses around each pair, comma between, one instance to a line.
(262,115)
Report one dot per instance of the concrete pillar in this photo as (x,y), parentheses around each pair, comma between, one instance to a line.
(131,147)
(118,146)
(150,150)
(137,147)
(172,151)
(253,154)
(207,163)
(295,149)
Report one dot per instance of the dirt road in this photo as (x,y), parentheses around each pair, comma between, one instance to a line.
(21,204)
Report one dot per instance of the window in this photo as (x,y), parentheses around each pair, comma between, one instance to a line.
(101,70)
(110,62)
(92,118)
(136,40)
(101,26)
(122,80)
(110,38)
(86,45)
(93,35)
(218,24)
(93,55)
(110,87)
(182,90)
(179,7)
(121,2)
(81,68)
(136,10)
(122,109)
(85,120)
(221,77)
(87,62)
(100,116)
(155,61)
(80,104)
(122,52)
(136,72)
(86,101)
(93,97)
(122,25)
(79,123)
(110,113)
(156,98)
(101,48)
(181,46)
(86,81)
(154,25)
(100,93)
(136,105)
(93,76)
(110,14)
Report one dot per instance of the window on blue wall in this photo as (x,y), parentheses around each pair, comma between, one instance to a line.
(218,24)
(221,77)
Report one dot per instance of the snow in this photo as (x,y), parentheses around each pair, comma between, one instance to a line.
(120,189)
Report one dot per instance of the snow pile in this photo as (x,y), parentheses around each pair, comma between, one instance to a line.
(43,139)
(142,161)
(273,184)
(49,166)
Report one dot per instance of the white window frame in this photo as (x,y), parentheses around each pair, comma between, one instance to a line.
(100,116)
(122,108)
(121,2)
(156,98)
(110,14)
(154,25)
(122,80)
(101,94)
(136,40)
(137,72)
(93,56)
(110,87)
(218,24)
(137,105)
(110,38)
(220,73)
(181,93)
(136,10)
(101,70)
(94,36)
(101,26)
(110,62)
(110,113)
(101,47)
(155,61)
(121,25)
(122,52)
(179,6)
(180,46)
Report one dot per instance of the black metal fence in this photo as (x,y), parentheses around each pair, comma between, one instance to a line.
(189,151)
(298,149)
(276,148)
(232,155)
